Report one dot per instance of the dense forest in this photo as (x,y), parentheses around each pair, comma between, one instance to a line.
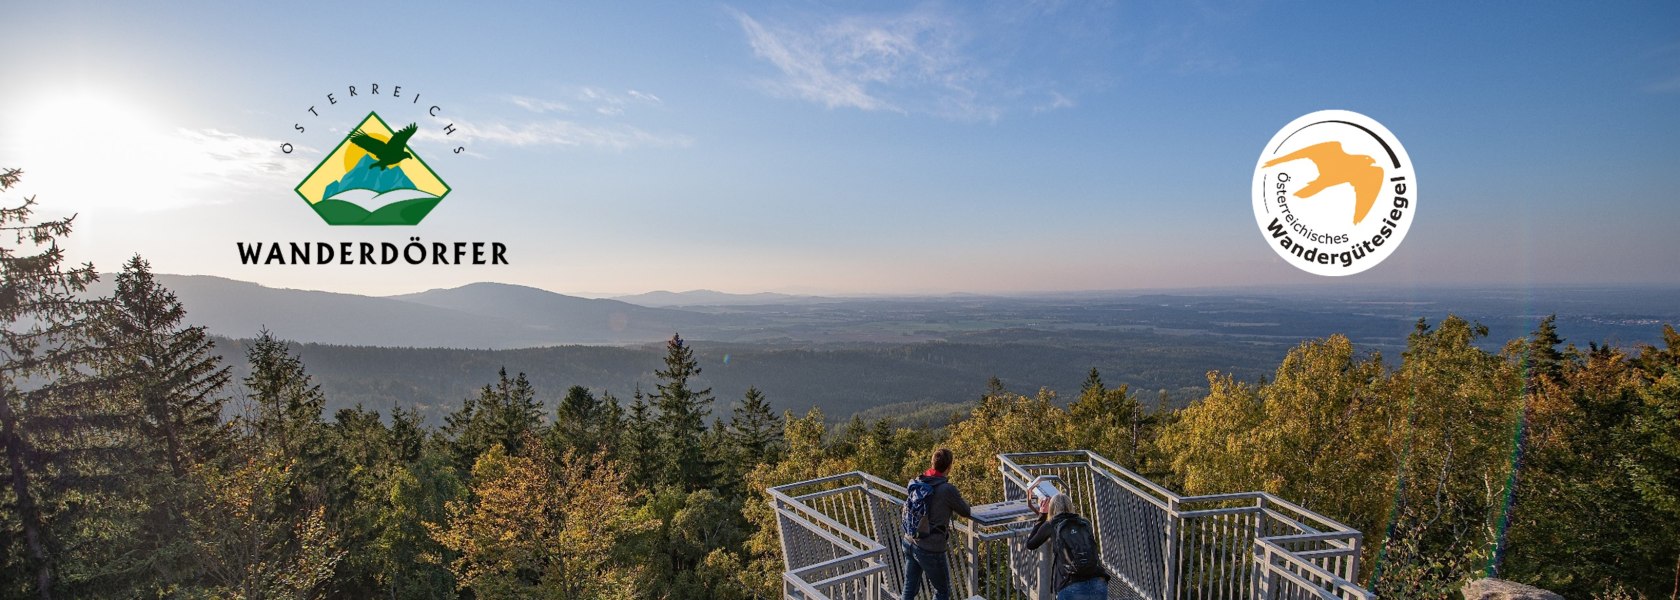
(124,475)
(840,380)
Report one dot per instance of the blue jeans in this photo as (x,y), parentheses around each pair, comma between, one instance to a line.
(1095,588)
(919,563)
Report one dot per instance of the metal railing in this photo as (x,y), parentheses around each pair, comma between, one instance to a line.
(840,539)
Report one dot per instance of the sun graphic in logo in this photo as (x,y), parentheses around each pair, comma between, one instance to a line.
(373,178)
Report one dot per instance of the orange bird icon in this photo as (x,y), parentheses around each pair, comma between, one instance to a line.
(1336,167)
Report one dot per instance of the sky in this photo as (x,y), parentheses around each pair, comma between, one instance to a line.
(852,147)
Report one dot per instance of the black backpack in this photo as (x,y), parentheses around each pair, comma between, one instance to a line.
(1077,543)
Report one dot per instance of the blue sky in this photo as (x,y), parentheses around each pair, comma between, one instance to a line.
(859,147)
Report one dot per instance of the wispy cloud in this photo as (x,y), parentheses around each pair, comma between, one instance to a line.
(583,117)
(558,132)
(538,105)
(913,62)
(601,101)
(1056,101)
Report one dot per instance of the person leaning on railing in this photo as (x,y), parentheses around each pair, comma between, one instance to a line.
(1075,567)
(927,524)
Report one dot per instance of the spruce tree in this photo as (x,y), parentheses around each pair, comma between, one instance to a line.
(1542,359)
(408,434)
(287,403)
(682,420)
(755,433)
(585,424)
(170,374)
(55,433)
(639,444)
(518,415)
(506,413)
(168,377)
(1093,383)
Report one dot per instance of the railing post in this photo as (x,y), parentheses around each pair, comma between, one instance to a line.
(1268,579)
(973,556)
(1259,530)
(1353,563)
(1169,580)
(1042,591)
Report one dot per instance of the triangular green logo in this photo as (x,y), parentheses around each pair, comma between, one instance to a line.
(373,178)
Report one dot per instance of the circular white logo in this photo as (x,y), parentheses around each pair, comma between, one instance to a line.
(1334,193)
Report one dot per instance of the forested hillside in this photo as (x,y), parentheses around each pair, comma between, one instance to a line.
(1550,462)
(842,379)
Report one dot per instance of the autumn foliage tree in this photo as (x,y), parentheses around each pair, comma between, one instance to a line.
(538,528)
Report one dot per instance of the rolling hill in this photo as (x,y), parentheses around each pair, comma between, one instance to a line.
(492,316)
(557,318)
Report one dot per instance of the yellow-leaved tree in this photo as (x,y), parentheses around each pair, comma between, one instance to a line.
(542,528)
(807,458)
(1003,422)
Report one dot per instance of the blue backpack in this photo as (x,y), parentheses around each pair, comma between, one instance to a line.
(915,518)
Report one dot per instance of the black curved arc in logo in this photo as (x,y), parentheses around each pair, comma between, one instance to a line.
(1392,157)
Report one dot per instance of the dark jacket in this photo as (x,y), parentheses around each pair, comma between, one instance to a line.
(1046,531)
(945,501)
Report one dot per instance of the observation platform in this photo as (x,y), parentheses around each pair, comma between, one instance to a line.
(840,540)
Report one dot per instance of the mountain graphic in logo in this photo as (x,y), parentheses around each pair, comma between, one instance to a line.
(373,178)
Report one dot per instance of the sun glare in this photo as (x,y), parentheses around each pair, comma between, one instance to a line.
(88,148)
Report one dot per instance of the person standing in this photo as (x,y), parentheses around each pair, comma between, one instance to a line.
(930,502)
(1076,569)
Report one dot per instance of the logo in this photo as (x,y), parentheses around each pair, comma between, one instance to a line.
(1334,193)
(373,178)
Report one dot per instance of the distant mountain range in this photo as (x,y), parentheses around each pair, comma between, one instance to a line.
(480,315)
(504,316)
(557,318)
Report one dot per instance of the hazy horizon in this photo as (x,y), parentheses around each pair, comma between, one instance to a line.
(1308,288)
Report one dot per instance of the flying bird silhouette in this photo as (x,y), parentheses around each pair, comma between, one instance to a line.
(1336,167)
(389,152)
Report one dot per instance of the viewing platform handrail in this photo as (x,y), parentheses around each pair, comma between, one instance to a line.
(840,538)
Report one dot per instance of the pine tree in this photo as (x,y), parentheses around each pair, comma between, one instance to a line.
(170,373)
(408,438)
(682,420)
(720,454)
(586,424)
(755,433)
(639,444)
(169,378)
(1109,421)
(1542,358)
(55,434)
(505,413)
(850,437)
(519,415)
(287,403)
(360,461)
(1093,384)
(880,452)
